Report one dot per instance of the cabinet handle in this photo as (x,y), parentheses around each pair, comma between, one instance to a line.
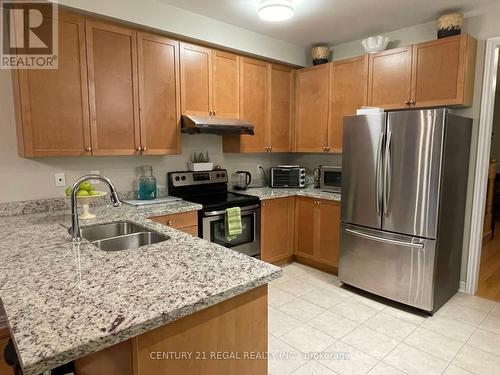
(327,148)
(169,223)
(270,148)
(88,148)
(144,148)
(412,101)
(138,149)
(263,204)
(407,102)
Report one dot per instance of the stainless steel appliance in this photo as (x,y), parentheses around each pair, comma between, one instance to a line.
(241,180)
(215,125)
(288,176)
(210,190)
(329,178)
(404,185)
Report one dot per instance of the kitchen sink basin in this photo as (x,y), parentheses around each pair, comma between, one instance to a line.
(122,235)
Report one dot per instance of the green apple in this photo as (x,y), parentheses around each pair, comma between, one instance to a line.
(82,193)
(67,191)
(94,192)
(85,186)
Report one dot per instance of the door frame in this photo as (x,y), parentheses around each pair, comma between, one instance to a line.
(482,163)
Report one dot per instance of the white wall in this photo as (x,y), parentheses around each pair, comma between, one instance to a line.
(164,17)
(481,24)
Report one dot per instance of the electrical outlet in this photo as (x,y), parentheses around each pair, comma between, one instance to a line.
(60,179)
(259,168)
(94,182)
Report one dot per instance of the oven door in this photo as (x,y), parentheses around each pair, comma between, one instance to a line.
(331,179)
(248,242)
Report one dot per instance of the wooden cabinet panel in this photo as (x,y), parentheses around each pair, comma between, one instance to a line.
(312,108)
(389,78)
(253,103)
(328,230)
(52,106)
(443,71)
(4,368)
(226,84)
(113,89)
(281,105)
(193,231)
(305,230)
(178,221)
(159,96)
(277,229)
(196,80)
(348,90)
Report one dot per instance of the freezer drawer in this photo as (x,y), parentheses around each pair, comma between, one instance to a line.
(394,266)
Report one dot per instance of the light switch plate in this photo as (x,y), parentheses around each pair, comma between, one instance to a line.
(60,179)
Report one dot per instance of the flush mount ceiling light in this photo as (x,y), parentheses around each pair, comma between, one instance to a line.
(276,10)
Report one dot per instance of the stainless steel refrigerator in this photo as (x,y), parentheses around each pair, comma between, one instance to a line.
(404,184)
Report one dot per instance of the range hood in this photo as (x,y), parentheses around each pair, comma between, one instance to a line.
(215,125)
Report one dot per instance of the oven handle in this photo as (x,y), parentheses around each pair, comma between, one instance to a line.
(222,212)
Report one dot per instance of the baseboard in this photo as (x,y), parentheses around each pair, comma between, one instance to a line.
(462,288)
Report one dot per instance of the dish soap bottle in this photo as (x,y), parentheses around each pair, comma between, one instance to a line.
(147,184)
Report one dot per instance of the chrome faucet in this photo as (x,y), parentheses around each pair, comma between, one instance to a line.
(75,223)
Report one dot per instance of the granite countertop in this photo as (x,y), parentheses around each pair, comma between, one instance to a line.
(55,318)
(269,193)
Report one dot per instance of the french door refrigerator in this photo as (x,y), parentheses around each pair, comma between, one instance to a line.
(404,183)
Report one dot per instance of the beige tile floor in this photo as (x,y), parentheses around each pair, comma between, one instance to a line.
(319,328)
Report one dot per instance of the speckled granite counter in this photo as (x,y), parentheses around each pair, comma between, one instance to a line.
(270,193)
(55,319)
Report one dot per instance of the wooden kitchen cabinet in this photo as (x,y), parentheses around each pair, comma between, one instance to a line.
(389,78)
(185,222)
(159,94)
(317,239)
(313,87)
(52,108)
(196,80)
(113,89)
(443,72)
(277,229)
(348,91)
(225,84)
(4,340)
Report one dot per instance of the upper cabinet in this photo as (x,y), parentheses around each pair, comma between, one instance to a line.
(159,94)
(196,80)
(389,78)
(113,89)
(348,90)
(435,73)
(443,72)
(52,108)
(281,108)
(313,86)
(225,84)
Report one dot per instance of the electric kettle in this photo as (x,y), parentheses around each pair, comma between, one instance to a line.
(241,180)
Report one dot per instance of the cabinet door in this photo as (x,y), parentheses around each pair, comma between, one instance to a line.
(52,104)
(159,96)
(281,99)
(5,369)
(312,108)
(196,80)
(226,85)
(305,212)
(277,229)
(442,71)
(328,228)
(113,89)
(348,91)
(389,78)
(253,103)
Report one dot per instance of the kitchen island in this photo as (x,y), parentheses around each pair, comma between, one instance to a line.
(129,298)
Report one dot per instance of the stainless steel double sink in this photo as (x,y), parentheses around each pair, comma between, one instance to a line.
(121,235)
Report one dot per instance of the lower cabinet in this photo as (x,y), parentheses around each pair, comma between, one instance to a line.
(186,222)
(307,229)
(277,225)
(4,339)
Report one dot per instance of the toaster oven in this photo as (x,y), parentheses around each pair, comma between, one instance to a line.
(288,176)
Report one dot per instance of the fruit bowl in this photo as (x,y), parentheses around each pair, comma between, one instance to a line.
(375,43)
(85,200)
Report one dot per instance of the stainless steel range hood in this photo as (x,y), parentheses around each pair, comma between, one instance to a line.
(215,125)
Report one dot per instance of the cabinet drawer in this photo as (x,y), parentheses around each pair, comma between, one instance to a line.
(178,221)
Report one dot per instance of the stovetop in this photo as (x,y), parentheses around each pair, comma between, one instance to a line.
(223,200)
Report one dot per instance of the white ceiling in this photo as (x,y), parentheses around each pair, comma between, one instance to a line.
(329,21)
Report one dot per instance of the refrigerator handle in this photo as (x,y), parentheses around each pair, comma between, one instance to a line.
(387,173)
(358,233)
(378,171)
